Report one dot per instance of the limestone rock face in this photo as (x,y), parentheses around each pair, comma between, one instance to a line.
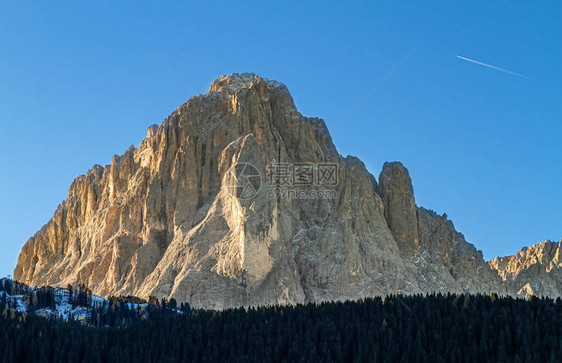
(182,216)
(446,259)
(534,270)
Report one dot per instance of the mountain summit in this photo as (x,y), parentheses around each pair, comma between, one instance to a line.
(237,199)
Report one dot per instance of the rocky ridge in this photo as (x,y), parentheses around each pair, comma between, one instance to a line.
(533,271)
(163,219)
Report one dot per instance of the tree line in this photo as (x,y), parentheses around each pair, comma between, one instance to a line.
(395,329)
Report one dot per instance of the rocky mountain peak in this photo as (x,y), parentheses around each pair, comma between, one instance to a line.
(237,199)
(397,192)
(233,82)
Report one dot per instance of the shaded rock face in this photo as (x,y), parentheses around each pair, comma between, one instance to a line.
(443,260)
(163,219)
(534,270)
(395,188)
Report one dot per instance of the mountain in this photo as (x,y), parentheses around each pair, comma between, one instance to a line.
(534,270)
(237,199)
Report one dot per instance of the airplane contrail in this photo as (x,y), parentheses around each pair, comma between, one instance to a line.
(493,67)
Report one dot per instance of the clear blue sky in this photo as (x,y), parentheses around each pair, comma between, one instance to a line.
(78,83)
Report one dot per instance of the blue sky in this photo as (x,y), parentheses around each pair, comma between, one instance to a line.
(79,83)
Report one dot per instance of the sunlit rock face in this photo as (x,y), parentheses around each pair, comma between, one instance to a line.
(534,270)
(169,218)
